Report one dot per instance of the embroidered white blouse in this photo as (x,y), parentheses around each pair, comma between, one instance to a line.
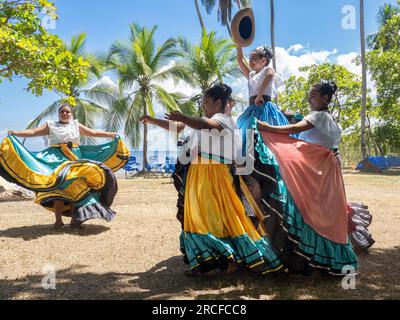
(256,80)
(225,144)
(64,133)
(326,131)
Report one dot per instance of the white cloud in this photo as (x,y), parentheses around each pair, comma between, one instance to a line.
(295,48)
(348,61)
(289,65)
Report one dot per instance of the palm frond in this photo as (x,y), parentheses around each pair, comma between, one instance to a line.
(165,98)
(117,112)
(177,72)
(48,113)
(77,44)
(164,53)
(101,94)
(99,64)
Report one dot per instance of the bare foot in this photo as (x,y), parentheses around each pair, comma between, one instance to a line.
(77,226)
(232,268)
(58,225)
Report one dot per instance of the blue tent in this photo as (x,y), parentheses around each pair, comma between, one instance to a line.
(381,163)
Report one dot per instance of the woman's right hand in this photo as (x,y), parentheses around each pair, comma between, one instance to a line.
(146,119)
(259,101)
(11,132)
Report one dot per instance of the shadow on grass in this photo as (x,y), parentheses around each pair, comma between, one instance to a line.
(379,278)
(38,231)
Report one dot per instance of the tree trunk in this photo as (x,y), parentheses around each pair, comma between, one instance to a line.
(196,3)
(145,129)
(364,81)
(272,8)
(272,14)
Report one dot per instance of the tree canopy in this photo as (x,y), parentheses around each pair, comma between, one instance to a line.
(28,49)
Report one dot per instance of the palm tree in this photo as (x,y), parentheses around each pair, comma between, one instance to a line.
(224,9)
(364,80)
(196,3)
(91,103)
(141,66)
(385,13)
(272,13)
(207,63)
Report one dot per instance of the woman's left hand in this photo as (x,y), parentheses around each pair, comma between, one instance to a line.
(264,126)
(175,116)
(259,101)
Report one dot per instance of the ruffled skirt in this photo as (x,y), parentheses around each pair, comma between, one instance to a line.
(300,246)
(269,112)
(82,177)
(217,230)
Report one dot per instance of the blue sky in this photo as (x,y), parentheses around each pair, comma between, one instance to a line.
(315,24)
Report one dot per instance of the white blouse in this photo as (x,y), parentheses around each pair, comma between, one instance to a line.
(256,80)
(326,131)
(222,145)
(64,133)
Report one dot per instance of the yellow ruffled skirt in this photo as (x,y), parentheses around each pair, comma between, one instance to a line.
(216,228)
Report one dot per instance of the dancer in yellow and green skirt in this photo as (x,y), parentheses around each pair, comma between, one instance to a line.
(217,231)
(67,178)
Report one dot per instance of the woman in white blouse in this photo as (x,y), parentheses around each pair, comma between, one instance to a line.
(217,233)
(64,131)
(261,82)
(310,216)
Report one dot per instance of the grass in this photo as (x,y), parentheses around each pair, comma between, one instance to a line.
(137,255)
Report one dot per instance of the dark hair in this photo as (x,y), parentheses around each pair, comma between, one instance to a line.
(64,105)
(326,88)
(264,52)
(220,92)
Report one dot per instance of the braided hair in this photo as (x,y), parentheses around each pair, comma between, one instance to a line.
(264,52)
(220,92)
(327,88)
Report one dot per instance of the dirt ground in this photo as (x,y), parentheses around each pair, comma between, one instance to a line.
(137,255)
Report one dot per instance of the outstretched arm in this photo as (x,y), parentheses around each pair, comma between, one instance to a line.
(293,128)
(85,131)
(194,122)
(164,124)
(43,130)
(240,60)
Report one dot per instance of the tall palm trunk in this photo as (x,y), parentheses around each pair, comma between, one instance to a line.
(272,8)
(364,81)
(272,14)
(196,3)
(145,130)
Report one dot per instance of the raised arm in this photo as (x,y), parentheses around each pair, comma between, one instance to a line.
(240,60)
(164,124)
(194,122)
(43,130)
(293,128)
(85,131)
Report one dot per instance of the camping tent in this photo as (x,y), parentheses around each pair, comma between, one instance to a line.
(379,163)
